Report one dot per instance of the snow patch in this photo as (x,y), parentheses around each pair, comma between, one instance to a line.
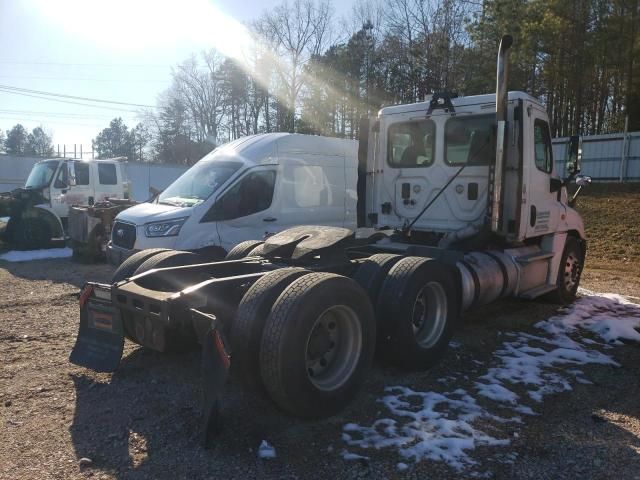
(266,451)
(29,255)
(448,426)
(612,317)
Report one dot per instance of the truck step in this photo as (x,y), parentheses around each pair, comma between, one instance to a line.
(534,257)
(536,292)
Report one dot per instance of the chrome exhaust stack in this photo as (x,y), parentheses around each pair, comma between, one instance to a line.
(502,92)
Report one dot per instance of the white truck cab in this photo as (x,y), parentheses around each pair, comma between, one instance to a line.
(422,146)
(39,211)
(246,189)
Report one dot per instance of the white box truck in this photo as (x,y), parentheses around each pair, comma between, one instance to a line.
(247,189)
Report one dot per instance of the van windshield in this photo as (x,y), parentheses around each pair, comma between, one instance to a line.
(198,183)
(41,174)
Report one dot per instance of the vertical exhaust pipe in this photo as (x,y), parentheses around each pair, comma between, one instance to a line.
(502,92)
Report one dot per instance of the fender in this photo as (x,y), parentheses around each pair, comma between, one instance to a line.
(45,212)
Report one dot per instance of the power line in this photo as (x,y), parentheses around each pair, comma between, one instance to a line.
(67,101)
(84,79)
(55,113)
(105,65)
(61,95)
(55,122)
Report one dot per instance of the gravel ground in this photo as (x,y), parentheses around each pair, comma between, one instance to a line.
(61,421)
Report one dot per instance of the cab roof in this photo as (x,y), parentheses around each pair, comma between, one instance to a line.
(470,103)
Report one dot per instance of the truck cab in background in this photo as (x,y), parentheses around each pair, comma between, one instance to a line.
(38,213)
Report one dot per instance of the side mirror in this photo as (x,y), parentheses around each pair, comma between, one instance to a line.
(582,180)
(574,155)
(71,168)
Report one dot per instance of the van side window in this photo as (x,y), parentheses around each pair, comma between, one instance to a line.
(252,194)
(107,174)
(310,187)
(82,173)
(544,160)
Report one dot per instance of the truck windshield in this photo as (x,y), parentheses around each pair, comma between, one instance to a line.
(198,183)
(469,140)
(41,174)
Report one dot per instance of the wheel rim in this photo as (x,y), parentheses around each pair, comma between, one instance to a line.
(429,315)
(571,271)
(333,347)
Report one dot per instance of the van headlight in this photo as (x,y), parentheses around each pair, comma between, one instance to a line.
(169,228)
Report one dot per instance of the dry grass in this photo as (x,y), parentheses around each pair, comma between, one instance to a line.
(610,212)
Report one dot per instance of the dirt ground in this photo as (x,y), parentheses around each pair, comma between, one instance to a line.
(142,422)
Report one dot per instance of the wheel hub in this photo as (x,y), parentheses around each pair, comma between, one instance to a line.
(429,315)
(333,347)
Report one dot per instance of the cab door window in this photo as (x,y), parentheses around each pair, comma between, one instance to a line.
(542,143)
(252,194)
(82,173)
(62,179)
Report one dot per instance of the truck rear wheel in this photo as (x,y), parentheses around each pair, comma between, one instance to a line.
(242,249)
(569,272)
(418,309)
(247,328)
(371,273)
(170,258)
(131,264)
(317,345)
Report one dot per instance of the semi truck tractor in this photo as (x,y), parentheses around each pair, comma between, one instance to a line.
(459,205)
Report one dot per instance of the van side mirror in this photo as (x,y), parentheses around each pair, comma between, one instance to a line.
(574,155)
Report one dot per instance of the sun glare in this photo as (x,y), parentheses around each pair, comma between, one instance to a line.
(136,25)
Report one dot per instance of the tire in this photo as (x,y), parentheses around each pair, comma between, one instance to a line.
(170,258)
(178,340)
(257,251)
(242,249)
(569,272)
(318,315)
(417,286)
(31,234)
(371,273)
(247,328)
(131,264)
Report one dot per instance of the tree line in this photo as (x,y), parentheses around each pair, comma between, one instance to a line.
(310,72)
(18,141)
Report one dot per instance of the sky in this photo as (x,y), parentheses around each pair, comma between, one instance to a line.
(115,50)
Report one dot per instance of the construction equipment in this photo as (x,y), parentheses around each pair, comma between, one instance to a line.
(461,206)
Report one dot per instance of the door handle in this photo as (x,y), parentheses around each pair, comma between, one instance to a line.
(269,219)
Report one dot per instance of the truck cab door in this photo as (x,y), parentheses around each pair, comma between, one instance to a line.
(58,190)
(543,207)
(248,209)
(80,191)
(107,184)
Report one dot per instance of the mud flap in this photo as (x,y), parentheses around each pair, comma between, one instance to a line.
(101,337)
(215,371)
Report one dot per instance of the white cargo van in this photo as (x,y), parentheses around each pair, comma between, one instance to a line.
(246,189)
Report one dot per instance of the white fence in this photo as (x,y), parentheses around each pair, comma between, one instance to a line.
(15,170)
(605,158)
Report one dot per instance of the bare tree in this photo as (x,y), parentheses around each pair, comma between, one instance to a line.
(296,32)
